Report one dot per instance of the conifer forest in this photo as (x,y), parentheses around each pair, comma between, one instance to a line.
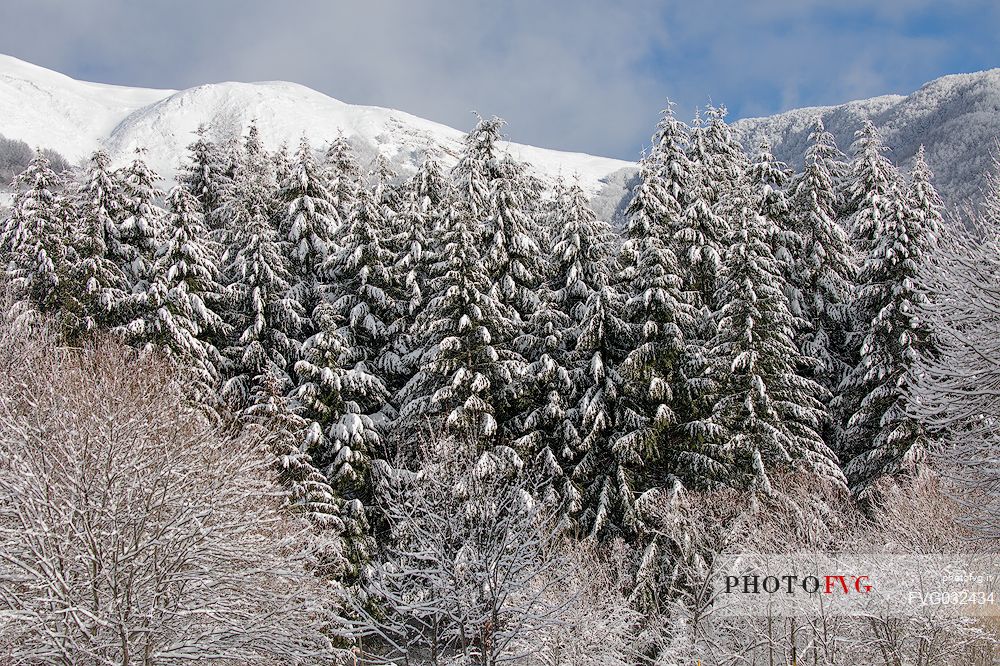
(292,408)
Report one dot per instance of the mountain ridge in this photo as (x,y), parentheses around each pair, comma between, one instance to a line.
(957,118)
(51,110)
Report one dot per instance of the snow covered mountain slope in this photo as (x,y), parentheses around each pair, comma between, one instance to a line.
(51,110)
(957,119)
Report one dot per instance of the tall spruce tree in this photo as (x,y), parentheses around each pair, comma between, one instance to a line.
(264,319)
(583,251)
(365,295)
(512,254)
(494,190)
(544,426)
(141,221)
(656,309)
(882,438)
(343,179)
(923,203)
(99,284)
(771,182)
(34,240)
(185,294)
(769,415)
(336,395)
(478,167)
(307,226)
(205,177)
(281,162)
(414,228)
(420,215)
(699,236)
(462,370)
(874,188)
(723,166)
(826,269)
(604,473)
(387,191)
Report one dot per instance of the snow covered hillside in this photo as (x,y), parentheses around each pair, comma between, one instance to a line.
(957,119)
(48,109)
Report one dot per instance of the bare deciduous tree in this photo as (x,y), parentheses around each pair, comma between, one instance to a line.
(476,575)
(957,391)
(915,518)
(132,531)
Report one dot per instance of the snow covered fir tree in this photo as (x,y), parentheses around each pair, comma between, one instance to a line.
(513,431)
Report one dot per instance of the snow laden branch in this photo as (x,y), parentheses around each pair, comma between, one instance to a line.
(476,576)
(132,531)
(956,390)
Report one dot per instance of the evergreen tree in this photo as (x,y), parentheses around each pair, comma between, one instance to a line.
(723,166)
(825,269)
(428,185)
(554,382)
(495,191)
(545,426)
(264,319)
(99,284)
(882,438)
(583,250)
(204,175)
(365,296)
(698,242)
(257,159)
(835,163)
(874,189)
(462,370)
(307,227)
(383,183)
(771,182)
(768,415)
(923,204)
(420,215)
(603,471)
(336,395)
(141,221)
(281,162)
(34,240)
(655,308)
(185,294)
(414,228)
(512,256)
(670,155)
(291,438)
(478,167)
(343,180)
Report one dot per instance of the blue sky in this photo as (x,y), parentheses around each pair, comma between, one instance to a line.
(587,75)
